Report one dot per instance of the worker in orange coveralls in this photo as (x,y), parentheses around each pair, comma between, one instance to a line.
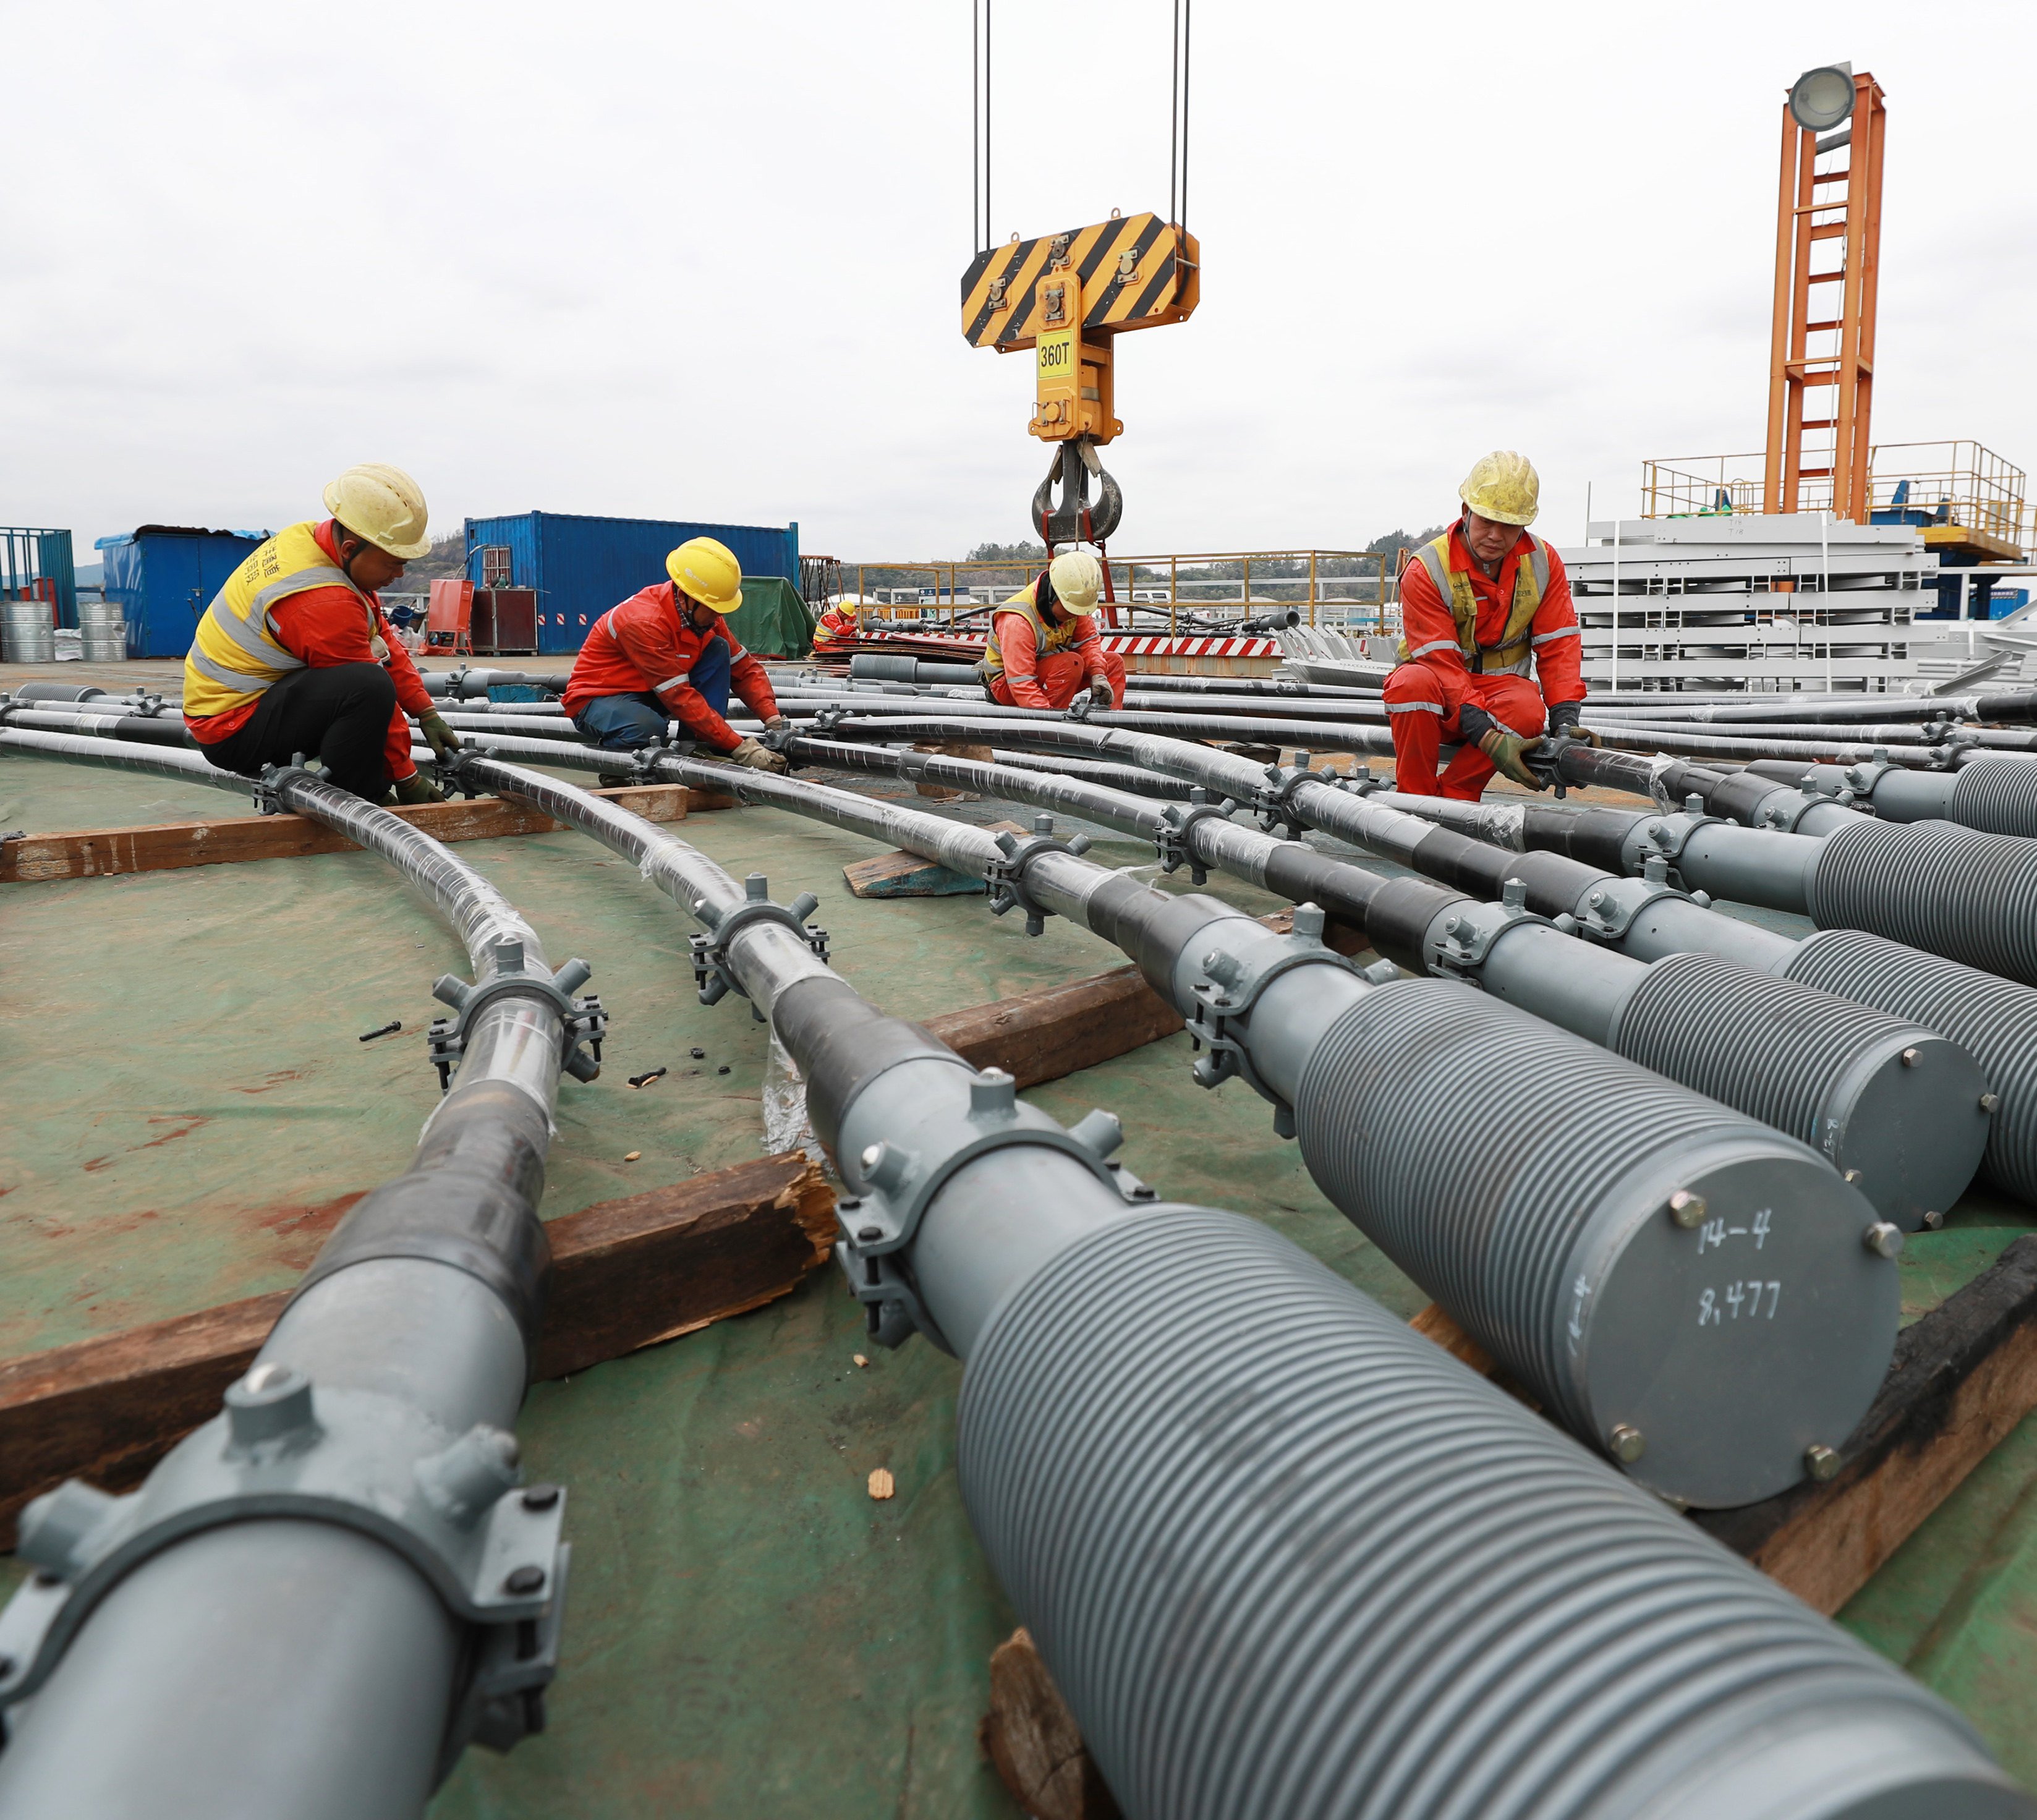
(294,656)
(1043,649)
(665,655)
(838,622)
(1477,606)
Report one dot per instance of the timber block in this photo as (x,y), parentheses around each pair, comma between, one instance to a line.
(1032,1739)
(899,874)
(952,749)
(168,846)
(625,1273)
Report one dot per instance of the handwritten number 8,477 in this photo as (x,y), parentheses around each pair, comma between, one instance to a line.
(1752,1300)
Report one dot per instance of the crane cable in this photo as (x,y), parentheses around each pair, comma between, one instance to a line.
(981,232)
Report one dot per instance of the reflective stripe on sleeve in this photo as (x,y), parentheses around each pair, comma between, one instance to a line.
(1551,637)
(672,681)
(1439,645)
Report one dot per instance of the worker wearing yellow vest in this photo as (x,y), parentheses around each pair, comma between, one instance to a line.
(1043,647)
(1481,606)
(293,655)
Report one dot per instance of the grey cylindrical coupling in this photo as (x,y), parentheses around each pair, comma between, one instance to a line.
(1286,1558)
(1946,889)
(1995,1020)
(1600,1231)
(1895,1106)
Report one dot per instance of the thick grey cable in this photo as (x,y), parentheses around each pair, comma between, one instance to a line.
(424,1302)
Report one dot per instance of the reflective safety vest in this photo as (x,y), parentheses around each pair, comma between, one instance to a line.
(836,622)
(236,655)
(1048,638)
(1513,654)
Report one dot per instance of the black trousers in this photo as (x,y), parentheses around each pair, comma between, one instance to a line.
(340,713)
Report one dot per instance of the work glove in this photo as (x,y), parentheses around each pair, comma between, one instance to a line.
(779,724)
(1100,693)
(1509,752)
(757,757)
(1563,724)
(419,788)
(439,737)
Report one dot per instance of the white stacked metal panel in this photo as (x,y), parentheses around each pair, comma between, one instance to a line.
(1769,602)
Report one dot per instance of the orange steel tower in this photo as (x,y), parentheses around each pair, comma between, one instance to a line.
(1823,343)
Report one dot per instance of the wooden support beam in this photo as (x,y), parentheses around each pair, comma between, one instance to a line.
(110,852)
(1053,1030)
(627,1274)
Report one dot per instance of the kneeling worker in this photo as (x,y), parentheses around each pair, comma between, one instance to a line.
(1043,649)
(294,656)
(666,654)
(1477,607)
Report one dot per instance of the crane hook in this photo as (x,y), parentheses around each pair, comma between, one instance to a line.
(1073,520)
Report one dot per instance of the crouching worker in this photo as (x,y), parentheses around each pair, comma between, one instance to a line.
(1043,649)
(293,655)
(665,654)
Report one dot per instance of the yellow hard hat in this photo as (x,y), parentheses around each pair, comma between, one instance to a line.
(706,570)
(384,505)
(1078,579)
(1504,487)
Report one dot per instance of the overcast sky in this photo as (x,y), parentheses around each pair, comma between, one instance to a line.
(691,262)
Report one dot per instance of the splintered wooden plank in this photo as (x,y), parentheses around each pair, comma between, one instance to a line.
(627,1273)
(162,847)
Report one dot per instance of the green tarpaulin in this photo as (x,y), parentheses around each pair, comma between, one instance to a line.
(772,621)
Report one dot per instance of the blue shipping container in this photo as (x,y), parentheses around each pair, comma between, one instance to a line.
(582,566)
(163,577)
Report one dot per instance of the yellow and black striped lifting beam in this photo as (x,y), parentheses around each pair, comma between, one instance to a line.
(1067,296)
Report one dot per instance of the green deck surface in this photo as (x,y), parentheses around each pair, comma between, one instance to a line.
(748,1632)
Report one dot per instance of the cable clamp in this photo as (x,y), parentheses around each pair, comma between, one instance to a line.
(453,1506)
(1610,908)
(1667,836)
(1860,779)
(1006,876)
(896,1179)
(1173,839)
(268,789)
(831,717)
(454,771)
(1230,984)
(713,977)
(582,1021)
(1470,930)
(1274,803)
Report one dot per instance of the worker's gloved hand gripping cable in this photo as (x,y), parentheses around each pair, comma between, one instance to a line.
(319,1597)
(1243,1511)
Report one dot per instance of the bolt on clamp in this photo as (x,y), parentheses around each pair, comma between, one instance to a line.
(1172,841)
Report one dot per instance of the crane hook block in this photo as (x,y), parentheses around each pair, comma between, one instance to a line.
(1074,520)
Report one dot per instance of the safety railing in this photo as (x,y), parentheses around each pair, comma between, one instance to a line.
(1333,589)
(1957,484)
